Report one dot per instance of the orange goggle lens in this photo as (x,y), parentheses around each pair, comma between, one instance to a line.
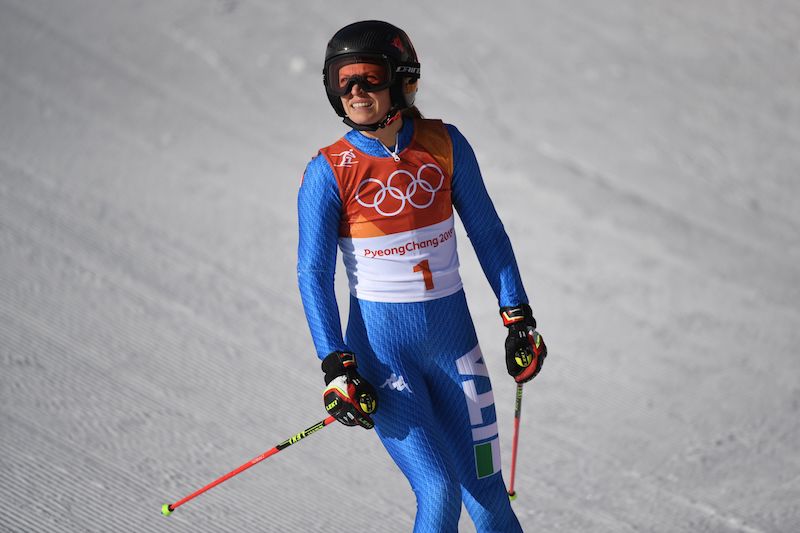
(370,74)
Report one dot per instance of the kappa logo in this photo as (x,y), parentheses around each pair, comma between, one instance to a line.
(396,383)
(348,158)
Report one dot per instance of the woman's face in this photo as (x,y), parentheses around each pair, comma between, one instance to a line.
(365,107)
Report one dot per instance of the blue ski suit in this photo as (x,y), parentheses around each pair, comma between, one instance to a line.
(408,323)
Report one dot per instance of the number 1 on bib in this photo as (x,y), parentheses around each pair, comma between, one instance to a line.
(424,267)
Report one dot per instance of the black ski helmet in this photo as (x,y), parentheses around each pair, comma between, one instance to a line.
(376,41)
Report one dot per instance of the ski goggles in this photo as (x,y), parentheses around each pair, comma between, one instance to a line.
(371,73)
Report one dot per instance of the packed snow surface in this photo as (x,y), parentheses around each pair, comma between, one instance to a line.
(644,157)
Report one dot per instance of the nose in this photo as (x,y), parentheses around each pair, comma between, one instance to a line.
(356,89)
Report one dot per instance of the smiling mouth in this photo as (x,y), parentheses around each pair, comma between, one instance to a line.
(361,105)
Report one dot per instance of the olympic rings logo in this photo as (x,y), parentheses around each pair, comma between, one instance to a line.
(417,182)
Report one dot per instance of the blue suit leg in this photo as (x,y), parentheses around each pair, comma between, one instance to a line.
(463,401)
(385,338)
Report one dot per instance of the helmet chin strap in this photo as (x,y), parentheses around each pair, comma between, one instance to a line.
(391,116)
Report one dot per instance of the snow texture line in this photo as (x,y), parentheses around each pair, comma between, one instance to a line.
(134,74)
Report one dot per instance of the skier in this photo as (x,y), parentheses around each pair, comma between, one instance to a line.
(409,365)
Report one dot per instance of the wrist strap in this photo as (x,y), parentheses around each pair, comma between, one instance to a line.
(338,364)
(517,315)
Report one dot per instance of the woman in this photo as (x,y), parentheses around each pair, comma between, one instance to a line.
(410,364)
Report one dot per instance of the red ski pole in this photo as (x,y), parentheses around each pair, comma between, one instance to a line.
(168,508)
(517,414)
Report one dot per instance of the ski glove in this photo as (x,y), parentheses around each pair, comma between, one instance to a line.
(347,396)
(525,349)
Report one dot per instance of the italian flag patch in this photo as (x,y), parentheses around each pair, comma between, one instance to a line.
(487,458)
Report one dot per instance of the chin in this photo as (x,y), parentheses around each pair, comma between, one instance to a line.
(362,120)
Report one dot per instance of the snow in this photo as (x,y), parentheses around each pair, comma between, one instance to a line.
(643,157)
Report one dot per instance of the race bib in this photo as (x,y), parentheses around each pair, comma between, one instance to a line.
(396,230)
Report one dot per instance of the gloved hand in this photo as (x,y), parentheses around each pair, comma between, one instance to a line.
(347,396)
(525,349)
